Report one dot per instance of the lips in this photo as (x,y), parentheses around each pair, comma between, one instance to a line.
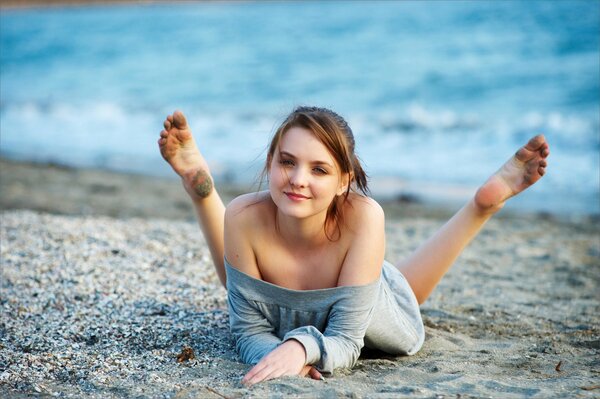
(296,197)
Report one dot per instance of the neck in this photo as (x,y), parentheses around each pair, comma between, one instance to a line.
(308,232)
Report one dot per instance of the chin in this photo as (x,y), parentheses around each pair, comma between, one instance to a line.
(291,209)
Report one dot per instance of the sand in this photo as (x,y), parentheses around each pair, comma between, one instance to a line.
(106,280)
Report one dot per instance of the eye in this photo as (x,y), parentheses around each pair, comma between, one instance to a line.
(286,162)
(320,171)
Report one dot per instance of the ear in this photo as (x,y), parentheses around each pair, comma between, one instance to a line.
(344,183)
(269,161)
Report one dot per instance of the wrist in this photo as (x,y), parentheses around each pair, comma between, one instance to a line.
(297,347)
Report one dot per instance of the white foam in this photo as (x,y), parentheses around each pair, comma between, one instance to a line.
(436,148)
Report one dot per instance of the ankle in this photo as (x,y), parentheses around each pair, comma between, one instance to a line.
(198,184)
(482,208)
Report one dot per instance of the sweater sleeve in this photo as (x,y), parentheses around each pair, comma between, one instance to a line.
(341,342)
(252,331)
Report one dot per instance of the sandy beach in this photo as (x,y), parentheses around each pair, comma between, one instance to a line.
(108,291)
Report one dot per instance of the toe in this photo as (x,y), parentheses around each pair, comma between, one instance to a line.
(164,134)
(167,125)
(536,143)
(179,120)
(545,152)
(523,154)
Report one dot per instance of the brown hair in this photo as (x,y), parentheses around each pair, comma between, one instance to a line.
(335,134)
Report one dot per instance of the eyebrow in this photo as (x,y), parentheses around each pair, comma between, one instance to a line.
(317,162)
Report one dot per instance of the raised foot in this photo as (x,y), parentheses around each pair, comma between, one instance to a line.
(178,148)
(524,169)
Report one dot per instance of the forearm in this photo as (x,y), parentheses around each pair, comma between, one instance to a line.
(252,349)
(288,358)
(339,345)
(327,353)
(253,333)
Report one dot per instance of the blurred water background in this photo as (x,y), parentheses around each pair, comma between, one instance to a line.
(439,94)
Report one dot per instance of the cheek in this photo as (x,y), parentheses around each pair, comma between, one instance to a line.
(325,187)
(276,176)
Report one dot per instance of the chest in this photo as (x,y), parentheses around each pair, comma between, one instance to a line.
(305,269)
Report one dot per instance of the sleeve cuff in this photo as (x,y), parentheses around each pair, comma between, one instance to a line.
(313,352)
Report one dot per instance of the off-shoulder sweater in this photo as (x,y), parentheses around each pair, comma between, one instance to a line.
(333,324)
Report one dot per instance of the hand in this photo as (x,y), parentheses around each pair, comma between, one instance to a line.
(311,372)
(287,359)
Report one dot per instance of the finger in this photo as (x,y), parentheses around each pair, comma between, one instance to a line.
(276,373)
(253,371)
(263,375)
(315,374)
(305,370)
(258,372)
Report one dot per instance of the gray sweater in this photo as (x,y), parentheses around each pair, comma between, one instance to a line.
(333,324)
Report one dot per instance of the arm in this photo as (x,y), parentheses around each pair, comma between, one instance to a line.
(341,342)
(253,333)
(257,343)
(338,346)
(365,222)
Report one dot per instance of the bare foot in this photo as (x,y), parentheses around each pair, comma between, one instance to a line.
(178,148)
(526,167)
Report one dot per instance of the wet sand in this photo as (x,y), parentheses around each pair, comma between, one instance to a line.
(106,279)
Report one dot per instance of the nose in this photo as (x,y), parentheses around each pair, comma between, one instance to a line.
(298,178)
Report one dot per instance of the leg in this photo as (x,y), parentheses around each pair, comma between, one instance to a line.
(427,265)
(179,149)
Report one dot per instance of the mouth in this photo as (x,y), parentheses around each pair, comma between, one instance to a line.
(295,196)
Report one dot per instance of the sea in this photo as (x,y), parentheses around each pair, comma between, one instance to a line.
(439,94)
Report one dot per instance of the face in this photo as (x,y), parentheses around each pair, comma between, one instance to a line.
(303,176)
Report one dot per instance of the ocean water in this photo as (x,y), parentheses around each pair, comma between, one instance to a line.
(439,94)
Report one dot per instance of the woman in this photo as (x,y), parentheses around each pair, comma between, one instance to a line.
(303,262)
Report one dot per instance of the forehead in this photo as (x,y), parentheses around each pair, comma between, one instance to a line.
(302,143)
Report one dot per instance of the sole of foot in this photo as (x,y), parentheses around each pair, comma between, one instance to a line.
(524,169)
(178,148)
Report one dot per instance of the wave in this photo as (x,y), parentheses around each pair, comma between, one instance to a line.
(415,145)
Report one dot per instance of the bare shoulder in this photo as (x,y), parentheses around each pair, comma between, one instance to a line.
(247,206)
(360,210)
(244,218)
(365,228)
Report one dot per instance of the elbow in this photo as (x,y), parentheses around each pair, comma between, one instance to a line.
(245,354)
(328,363)
(354,356)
